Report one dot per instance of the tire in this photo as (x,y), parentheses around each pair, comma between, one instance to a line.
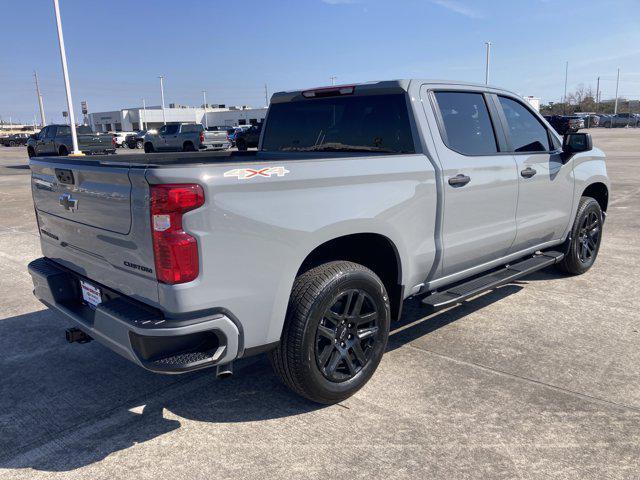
(188,147)
(607,125)
(31,152)
(335,332)
(12,143)
(148,148)
(139,144)
(242,145)
(63,152)
(586,236)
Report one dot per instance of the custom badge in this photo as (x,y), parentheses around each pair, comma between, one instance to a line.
(248,173)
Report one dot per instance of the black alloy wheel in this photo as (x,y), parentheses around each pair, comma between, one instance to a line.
(589,237)
(346,335)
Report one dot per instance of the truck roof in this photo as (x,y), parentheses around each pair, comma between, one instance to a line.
(383,86)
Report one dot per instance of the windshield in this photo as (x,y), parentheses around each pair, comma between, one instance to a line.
(366,123)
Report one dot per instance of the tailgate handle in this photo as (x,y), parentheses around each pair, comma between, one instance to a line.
(64,175)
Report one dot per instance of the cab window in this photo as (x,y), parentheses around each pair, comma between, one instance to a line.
(466,124)
(525,131)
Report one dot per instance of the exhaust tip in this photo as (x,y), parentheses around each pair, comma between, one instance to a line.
(224,371)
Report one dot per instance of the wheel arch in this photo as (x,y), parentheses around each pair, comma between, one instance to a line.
(373,250)
(599,192)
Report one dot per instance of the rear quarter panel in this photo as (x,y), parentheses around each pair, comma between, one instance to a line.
(254,233)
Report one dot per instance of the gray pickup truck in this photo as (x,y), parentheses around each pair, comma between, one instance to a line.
(185,137)
(358,198)
(56,140)
(620,120)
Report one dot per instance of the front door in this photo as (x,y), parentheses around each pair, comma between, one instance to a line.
(480,187)
(545,198)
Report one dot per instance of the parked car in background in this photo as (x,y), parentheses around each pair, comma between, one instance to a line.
(564,124)
(232,134)
(621,120)
(249,138)
(135,139)
(185,137)
(15,140)
(358,198)
(120,139)
(56,140)
(591,120)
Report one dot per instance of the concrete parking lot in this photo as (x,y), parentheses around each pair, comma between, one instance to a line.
(537,379)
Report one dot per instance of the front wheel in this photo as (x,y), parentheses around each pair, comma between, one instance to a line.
(335,332)
(586,236)
(148,148)
(241,144)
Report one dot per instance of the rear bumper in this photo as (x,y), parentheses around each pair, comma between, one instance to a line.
(215,146)
(136,331)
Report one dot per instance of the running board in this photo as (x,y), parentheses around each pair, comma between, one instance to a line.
(461,291)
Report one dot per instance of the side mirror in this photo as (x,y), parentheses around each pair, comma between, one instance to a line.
(576,143)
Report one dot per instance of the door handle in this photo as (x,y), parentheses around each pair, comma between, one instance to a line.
(528,172)
(459,180)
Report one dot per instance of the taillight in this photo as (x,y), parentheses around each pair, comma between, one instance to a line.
(113,141)
(201,137)
(175,251)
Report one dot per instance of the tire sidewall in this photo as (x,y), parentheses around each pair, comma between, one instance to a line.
(360,279)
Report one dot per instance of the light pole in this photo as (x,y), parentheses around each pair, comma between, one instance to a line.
(204,105)
(333,79)
(266,96)
(564,97)
(598,95)
(67,86)
(40,104)
(164,118)
(487,61)
(615,107)
(144,116)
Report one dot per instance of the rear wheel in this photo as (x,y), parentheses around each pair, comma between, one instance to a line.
(139,144)
(335,332)
(586,236)
(148,148)
(63,152)
(241,144)
(188,147)
(12,143)
(31,152)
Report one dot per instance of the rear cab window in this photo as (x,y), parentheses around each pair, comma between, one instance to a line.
(377,123)
(466,126)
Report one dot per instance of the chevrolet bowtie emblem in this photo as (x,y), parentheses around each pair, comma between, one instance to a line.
(67,202)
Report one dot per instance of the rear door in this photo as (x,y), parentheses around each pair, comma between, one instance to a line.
(480,187)
(545,198)
(171,138)
(45,144)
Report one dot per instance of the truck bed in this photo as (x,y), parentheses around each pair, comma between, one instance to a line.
(138,160)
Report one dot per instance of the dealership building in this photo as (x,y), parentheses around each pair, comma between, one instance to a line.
(131,119)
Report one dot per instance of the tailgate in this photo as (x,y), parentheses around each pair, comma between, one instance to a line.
(94,219)
(215,137)
(94,141)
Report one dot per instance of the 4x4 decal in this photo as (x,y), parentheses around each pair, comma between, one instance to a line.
(247,173)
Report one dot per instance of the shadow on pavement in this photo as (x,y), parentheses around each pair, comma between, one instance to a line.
(65,406)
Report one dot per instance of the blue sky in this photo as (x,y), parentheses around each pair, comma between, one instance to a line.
(117,48)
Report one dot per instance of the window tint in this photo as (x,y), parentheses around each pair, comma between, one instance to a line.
(171,129)
(367,123)
(84,129)
(467,123)
(62,131)
(526,133)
